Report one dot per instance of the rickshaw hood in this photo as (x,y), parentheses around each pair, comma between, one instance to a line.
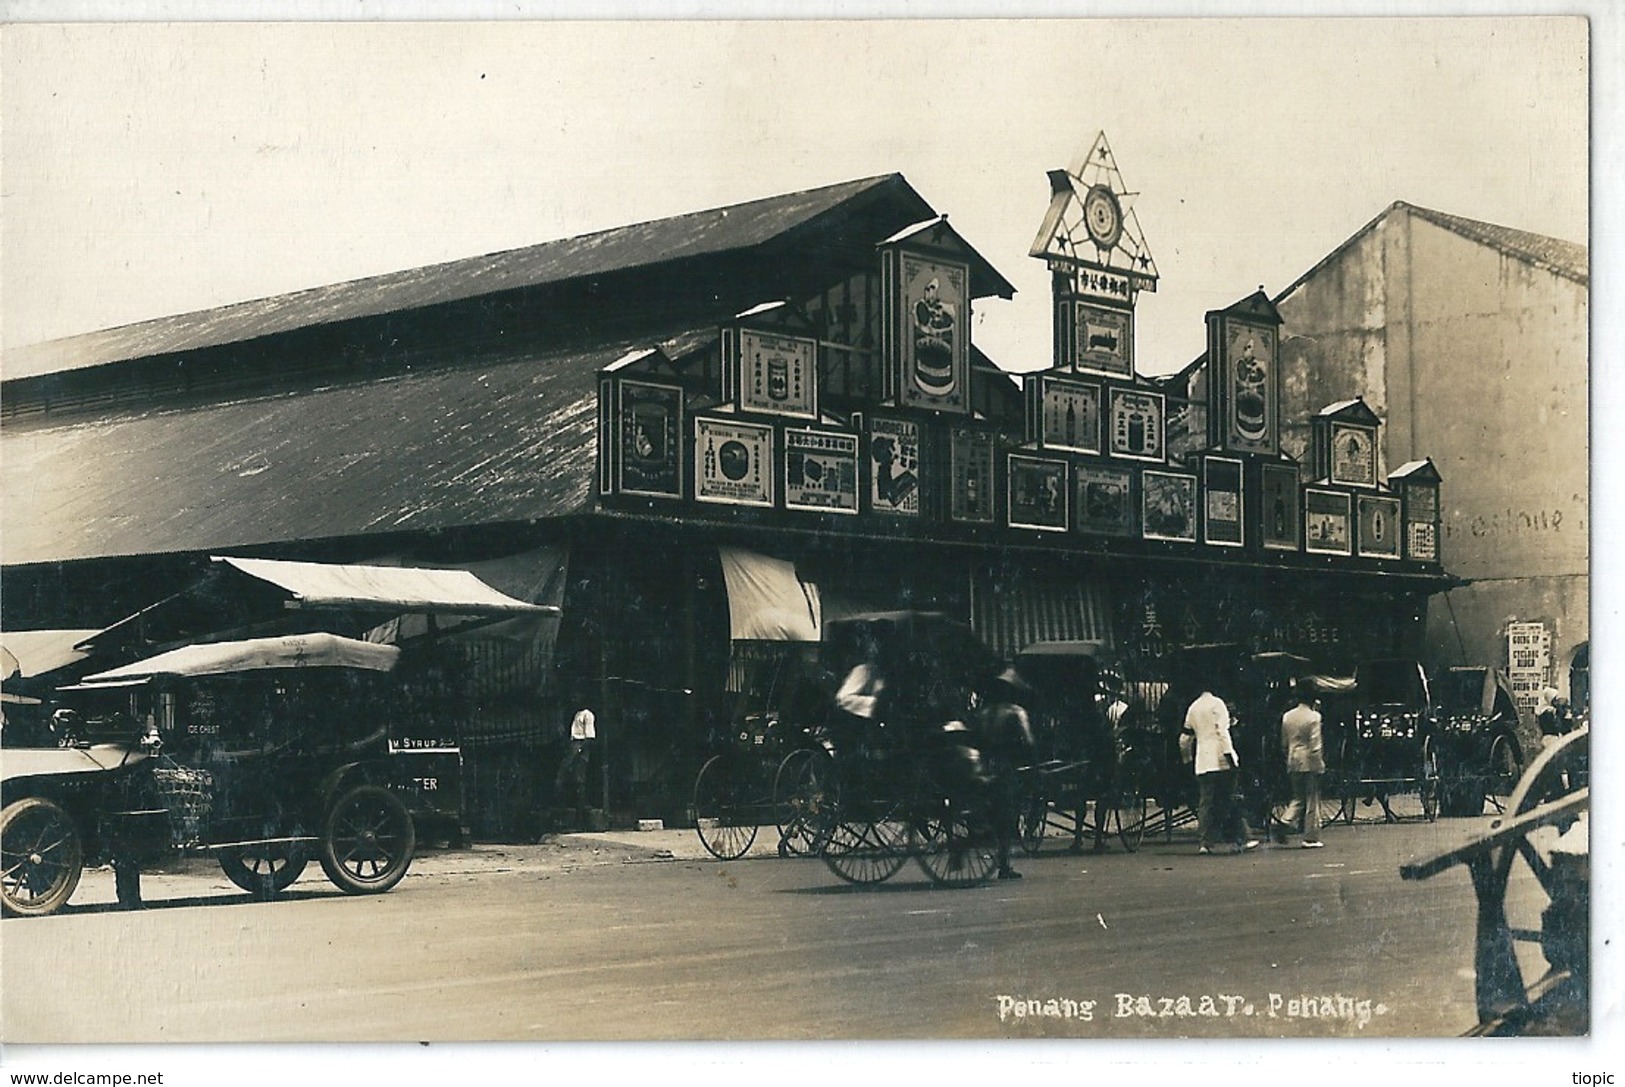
(22,762)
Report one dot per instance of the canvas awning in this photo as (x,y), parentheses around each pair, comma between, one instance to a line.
(389,588)
(254,654)
(27,653)
(767,600)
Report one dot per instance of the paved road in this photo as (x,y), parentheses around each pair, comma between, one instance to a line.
(636,937)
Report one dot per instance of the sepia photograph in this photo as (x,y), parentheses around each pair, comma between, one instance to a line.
(1068,534)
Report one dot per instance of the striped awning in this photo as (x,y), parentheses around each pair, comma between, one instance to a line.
(1009,616)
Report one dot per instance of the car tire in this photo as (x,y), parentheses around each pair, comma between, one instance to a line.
(43,857)
(368,840)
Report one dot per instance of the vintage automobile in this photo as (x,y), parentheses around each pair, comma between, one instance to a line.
(1480,755)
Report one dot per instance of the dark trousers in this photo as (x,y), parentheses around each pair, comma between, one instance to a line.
(1217,812)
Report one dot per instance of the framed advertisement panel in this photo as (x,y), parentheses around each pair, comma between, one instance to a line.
(1354,455)
(1278,507)
(1168,506)
(1103,339)
(820,470)
(894,466)
(1222,502)
(1326,517)
(930,317)
(971,491)
(733,462)
(1135,424)
(1064,414)
(1037,494)
(1249,386)
(1104,500)
(778,374)
(648,439)
(1422,521)
(1379,527)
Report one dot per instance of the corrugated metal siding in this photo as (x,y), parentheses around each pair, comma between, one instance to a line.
(1011,617)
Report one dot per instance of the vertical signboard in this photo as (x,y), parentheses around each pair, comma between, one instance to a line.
(1064,414)
(1278,507)
(1038,493)
(931,319)
(649,440)
(1221,501)
(1134,425)
(1529,662)
(970,456)
(778,374)
(1379,529)
(1104,339)
(894,466)
(1326,516)
(733,462)
(1168,506)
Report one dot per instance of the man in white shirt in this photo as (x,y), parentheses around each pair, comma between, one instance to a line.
(572,776)
(1206,742)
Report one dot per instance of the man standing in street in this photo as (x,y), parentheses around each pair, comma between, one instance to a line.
(573,767)
(1206,742)
(1305,762)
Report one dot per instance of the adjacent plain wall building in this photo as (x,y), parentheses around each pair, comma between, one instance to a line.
(1470,341)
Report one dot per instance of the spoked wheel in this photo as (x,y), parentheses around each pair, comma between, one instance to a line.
(368,840)
(724,818)
(1503,768)
(1428,787)
(867,851)
(803,800)
(954,843)
(1035,814)
(1129,813)
(40,857)
(265,869)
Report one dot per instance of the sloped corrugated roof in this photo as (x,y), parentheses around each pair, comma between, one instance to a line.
(697,234)
(504,442)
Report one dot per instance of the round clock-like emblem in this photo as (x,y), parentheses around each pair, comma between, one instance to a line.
(1103,216)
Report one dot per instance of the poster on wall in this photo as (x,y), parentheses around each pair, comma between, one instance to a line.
(1251,389)
(1221,501)
(778,374)
(1135,425)
(1529,661)
(1105,500)
(820,471)
(1168,506)
(733,462)
(650,446)
(1038,493)
(971,469)
(1422,522)
(935,344)
(1278,507)
(1354,455)
(1105,339)
(1326,522)
(1379,534)
(894,466)
(1069,415)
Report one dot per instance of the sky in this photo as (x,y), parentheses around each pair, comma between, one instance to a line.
(159,168)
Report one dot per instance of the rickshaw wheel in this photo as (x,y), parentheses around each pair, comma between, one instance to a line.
(803,800)
(1504,768)
(1034,822)
(954,846)
(267,869)
(368,840)
(1428,786)
(724,818)
(1129,815)
(863,852)
(42,857)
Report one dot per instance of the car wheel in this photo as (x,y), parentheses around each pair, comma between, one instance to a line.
(267,869)
(367,840)
(42,857)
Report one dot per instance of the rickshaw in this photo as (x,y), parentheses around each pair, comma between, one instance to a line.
(1394,746)
(1083,754)
(1481,757)
(910,780)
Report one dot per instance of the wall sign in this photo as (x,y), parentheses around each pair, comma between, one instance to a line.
(1105,500)
(1422,522)
(778,374)
(1168,506)
(1278,507)
(934,335)
(1326,516)
(970,456)
(820,471)
(1066,413)
(1103,285)
(1250,389)
(894,466)
(1529,662)
(1221,501)
(1379,535)
(1354,455)
(649,440)
(1105,339)
(733,462)
(1134,423)
(1038,493)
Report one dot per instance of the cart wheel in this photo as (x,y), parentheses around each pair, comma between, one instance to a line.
(267,869)
(1504,767)
(724,818)
(1428,787)
(368,840)
(1559,769)
(954,845)
(803,799)
(1129,815)
(866,852)
(1034,822)
(42,857)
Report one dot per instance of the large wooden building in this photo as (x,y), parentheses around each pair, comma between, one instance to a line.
(703,437)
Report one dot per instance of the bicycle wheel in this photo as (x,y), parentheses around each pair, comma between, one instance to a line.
(803,800)
(724,816)
(954,843)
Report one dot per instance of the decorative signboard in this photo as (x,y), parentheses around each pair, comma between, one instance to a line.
(971,456)
(778,374)
(1063,414)
(1104,339)
(820,470)
(1134,425)
(1103,286)
(931,312)
(1417,484)
(733,462)
(1168,506)
(1278,507)
(1105,500)
(1037,492)
(894,466)
(1326,516)
(1379,532)
(649,428)
(1354,455)
(1250,387)
(1221,501)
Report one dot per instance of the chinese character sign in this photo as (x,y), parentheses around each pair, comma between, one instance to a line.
(733,462)
(894,467)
